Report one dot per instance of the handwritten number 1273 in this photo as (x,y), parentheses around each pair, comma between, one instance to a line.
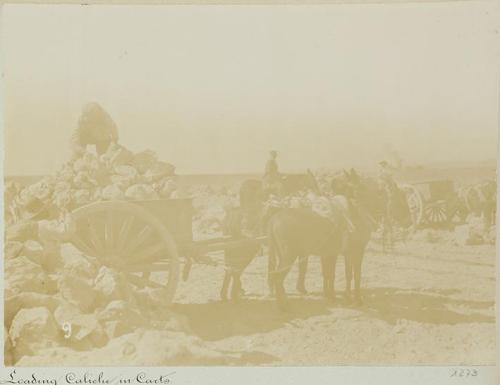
(464,373)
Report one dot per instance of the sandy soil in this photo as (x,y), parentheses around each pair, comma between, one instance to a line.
(426,303)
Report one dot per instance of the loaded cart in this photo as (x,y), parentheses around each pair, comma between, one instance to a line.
(434,203)
(141,237)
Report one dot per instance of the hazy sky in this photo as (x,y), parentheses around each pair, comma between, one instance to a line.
(213,88)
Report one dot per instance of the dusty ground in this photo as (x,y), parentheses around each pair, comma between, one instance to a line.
(426,303)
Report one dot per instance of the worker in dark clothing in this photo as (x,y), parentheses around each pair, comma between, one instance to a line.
(95,127)
(386,179)
(272,177)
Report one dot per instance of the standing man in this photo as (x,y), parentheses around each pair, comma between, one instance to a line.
(95,127)
(385,176)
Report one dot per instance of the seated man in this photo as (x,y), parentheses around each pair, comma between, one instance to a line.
(95,127)
(272,178)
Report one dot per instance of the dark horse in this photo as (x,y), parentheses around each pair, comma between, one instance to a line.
(294,233)
(253,191)
(297,233)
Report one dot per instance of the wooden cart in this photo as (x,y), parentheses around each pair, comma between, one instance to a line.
(141,237)
(434,203)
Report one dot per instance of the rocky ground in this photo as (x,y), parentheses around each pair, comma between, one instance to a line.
(428,302)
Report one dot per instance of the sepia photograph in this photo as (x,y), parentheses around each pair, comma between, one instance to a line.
(236,185)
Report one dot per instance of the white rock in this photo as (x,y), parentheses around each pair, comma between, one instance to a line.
(84,328)
(77,291)
(141,192)
(112,192)
(22,275)
(76,263)
(26,301)
(13,249)
(33,329)
(110,285)
(33,250)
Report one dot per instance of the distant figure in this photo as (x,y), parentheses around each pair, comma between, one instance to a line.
(272,177)
(95,127)
(385,177)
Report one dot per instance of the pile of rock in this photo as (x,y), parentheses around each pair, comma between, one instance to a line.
(475,232)
(116,175)
(70,303)
(210,210)
(60,302)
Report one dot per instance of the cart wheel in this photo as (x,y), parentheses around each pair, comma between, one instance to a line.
(436,212)
(415,203)
(127,238)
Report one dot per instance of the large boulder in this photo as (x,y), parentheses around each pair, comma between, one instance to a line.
(112,192)
(119,318)
(8,351)
(27,301)
(32,330)
(22,276)
(76,263)
(110,285)
(77,290)
(144,160)
(116,155)
(141,192)
(22,231)
(468,234)
(33,250)
(85,331)
(13,249)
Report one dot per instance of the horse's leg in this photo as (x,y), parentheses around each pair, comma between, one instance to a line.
(225,285)
(325,269)
(328,269)
(301,285)
(384,234)
(271,267)
(348,276)
(333,269)
(285,262)
(357,258)
(236,287)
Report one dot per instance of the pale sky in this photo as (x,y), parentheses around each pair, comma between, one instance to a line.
(213,88)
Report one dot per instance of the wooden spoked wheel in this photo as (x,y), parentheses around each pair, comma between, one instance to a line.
(127,238)
(436,212)
(415,203)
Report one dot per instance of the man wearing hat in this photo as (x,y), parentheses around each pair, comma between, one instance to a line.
(95,127)
(385,177)
(272,178)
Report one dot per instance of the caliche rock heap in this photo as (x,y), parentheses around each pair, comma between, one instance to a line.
(62,303)
(116,175)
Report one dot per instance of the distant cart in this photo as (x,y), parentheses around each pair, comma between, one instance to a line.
(138,238)
(435,203)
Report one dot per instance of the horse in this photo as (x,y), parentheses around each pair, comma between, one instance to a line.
(255,191)
(296,233)
(237,221)
(368,206)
